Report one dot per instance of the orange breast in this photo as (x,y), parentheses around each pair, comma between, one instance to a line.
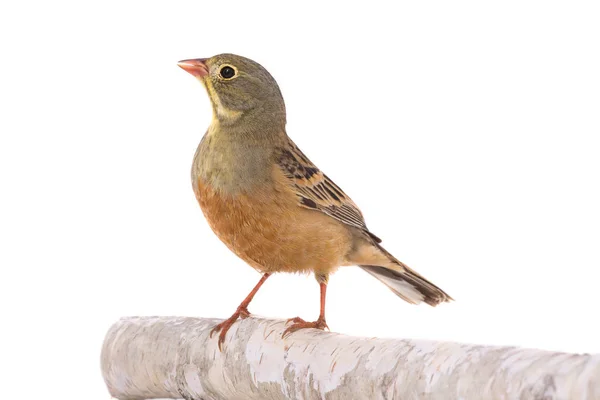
(267,228)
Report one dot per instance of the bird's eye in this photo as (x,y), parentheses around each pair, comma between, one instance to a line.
(227,72)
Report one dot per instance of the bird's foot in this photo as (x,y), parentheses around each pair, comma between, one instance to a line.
(223,327)
(298,323)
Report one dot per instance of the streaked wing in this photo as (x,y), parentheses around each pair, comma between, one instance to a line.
(316,191)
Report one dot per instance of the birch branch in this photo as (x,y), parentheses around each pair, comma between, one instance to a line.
(173,357)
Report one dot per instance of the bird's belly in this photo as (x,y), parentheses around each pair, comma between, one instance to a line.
(271,232)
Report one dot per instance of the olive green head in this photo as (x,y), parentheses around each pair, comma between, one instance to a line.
(238,87)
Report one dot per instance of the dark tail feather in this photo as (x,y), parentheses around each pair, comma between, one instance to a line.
(408,284)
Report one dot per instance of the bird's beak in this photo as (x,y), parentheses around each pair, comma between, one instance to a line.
(196,67)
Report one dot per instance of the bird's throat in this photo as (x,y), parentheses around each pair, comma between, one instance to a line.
(230,161)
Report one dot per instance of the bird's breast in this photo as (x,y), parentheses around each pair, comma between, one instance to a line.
(266,228)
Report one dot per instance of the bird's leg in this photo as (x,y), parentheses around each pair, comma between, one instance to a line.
(241,312)
(320,323)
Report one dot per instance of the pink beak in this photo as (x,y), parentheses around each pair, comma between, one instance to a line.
(196,67)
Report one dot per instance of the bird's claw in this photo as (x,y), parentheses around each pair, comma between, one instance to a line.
(224,326)
(244,313)
(295,320)
(299,323)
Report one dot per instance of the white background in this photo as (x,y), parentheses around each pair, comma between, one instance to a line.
(467,132)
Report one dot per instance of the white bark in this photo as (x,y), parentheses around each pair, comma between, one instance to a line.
(172,357)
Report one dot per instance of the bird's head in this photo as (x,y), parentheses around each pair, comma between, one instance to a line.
(238,87)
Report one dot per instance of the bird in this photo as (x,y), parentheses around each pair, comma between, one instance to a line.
(269,204)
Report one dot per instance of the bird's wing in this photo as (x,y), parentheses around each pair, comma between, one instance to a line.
(316,191)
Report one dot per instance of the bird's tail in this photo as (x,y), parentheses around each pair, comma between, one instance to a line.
(406,283)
